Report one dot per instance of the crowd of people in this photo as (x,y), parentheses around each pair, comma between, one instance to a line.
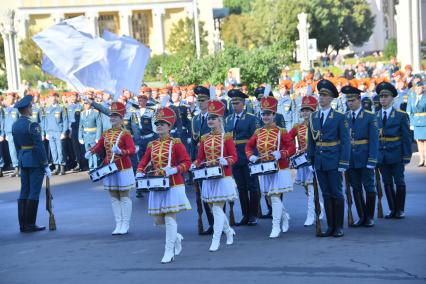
(353,124)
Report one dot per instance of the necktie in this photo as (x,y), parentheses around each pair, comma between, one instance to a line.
(385,118)
(322,119)
(353,118)
(203,119)
(236,123)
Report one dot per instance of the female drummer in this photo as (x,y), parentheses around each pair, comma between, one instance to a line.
(119,146)
(164,205)
(304,176)
(217,149)
(270,148)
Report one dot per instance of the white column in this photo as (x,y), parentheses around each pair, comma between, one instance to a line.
(126,22)
(8,33)
(303,28)
(158,32)
(197,29)
(92,16)
(415,23)
(23,20)
(404,32)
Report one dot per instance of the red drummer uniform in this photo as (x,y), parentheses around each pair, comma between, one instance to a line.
(300,132)
(157,152)
(210,148)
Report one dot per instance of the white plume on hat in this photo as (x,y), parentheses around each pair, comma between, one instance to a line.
(267,91)
(212,91)
(165,100)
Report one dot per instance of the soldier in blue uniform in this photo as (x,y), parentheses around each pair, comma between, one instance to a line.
(90,131)
(364,135)
(11,115)
(329,149)
(181,127)
(33,164)
(279,118)
(417,110)
(74,114)
(56,126)
(286,105)
(199,127)
(141,127)
(394,149)
(1,136)
(243,126)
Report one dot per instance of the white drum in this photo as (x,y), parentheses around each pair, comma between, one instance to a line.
(299,161)
(103,171)
(263,168)
(212,172)
(153,183)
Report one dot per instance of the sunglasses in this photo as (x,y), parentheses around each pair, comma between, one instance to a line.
(160,123)
(212,117)
(236,102)
(266,113)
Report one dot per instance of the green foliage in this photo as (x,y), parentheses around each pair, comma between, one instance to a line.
(33,74)
(2,56)
(238,6)
(257,65)
(333,23)
(3,81)
(390,49)
(31,54)
(182,38)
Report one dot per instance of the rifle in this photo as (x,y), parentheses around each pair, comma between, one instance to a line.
(199,207)
(379,194)
(349,199)
(231,214)
(317,206)
(52,222)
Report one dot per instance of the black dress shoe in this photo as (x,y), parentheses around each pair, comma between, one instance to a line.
(77,168)
(207,232)
(15,173)
(139,194)
(252,221)
(266,216)
(244,221)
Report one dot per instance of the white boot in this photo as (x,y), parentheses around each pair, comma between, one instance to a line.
(178,244)
(171,233)
(310,217)
(116,209)
(126,208)
(285,220)
(229,232)
(277,211)
(217,227)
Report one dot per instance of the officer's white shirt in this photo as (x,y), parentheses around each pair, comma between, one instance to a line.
(386,112)
(325,112)
(356,112)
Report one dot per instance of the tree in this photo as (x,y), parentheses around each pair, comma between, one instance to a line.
(238,6)
(31,54)
(182,38)
(2,56)
(241,31)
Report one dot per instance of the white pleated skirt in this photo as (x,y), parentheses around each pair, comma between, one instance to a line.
(173,200)
(276,183)
(121,180)
(304,176)
(219,190)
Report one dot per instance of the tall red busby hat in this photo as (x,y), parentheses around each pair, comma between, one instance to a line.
(118,108)
(216,107)
(166,114)
(269,103)
(309,102)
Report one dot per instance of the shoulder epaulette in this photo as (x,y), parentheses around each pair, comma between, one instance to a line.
(249,114)
(257,130)
(369,111)
(176,140)
(338,111)
(149,144)
(398,110)
(228,135)
(283,130)
(203,137)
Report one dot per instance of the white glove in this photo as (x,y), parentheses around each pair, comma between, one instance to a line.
(1,138)
(311,168)
(137,148)
(370,167)
(192,167)
(140,175)
(47,137)
(96,140)
(81,141)
(88,155)
(47,171)
(62,136)
(170,171)
(116,149)
(253,158)
(5,138)
(277,155)
(411,127)
(188,140)
(341,170)
(223,161)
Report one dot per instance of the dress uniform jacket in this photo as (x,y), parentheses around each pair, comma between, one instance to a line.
(157,153)
(395,138)
(90,128)
(1,135)
(11,115)
(416,108)
(242,132)
(287,107)
(364,134)
(36,115)
(329,147)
